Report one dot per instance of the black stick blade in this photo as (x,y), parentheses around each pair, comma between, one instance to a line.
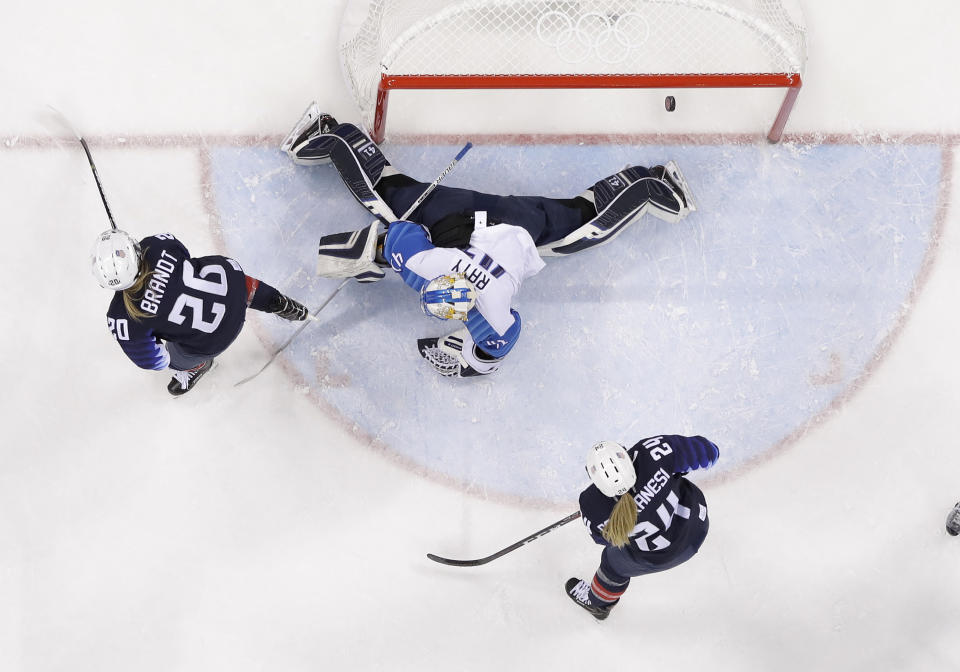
(459,563)
(512,547)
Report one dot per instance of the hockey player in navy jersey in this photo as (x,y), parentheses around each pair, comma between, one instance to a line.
(492,242)
(171,310)
(642,510)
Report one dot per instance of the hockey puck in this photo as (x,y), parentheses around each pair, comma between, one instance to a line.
(670,103)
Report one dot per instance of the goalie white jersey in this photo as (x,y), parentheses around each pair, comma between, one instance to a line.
(498,259)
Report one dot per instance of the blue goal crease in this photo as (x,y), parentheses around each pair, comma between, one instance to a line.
(740,323)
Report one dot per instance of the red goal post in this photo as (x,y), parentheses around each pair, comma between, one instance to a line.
(569,44)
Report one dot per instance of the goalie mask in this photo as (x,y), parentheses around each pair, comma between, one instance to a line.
(610,468)
(448,297)
(115,260)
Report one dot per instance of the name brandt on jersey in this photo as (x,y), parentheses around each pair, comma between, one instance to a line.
(158,282)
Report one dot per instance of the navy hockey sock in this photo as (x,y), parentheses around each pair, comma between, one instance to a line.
(605,590)
(579,591)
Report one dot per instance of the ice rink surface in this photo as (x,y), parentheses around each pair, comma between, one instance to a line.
(804,318)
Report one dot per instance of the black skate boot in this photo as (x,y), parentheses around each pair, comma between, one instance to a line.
(953,521)
(578,590)
(327,123)
(183,381)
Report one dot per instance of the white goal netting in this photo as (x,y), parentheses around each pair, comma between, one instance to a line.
(498,43)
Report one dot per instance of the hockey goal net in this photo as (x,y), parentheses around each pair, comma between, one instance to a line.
(538,44)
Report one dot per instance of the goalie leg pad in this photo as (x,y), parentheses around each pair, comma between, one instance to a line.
(350,255)
(358,160)
(457,356)
(620,200)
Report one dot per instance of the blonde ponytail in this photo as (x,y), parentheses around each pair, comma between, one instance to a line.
(133,293)
(623,518)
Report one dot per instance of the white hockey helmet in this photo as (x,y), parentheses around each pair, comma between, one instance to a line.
(115,259)
(610,468)
(448,297)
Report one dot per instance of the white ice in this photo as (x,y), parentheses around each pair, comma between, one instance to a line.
(805,318)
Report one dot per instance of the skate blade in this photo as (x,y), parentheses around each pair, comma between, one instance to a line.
(673,170)
(311,114)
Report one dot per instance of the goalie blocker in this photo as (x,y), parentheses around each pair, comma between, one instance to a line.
(351,255)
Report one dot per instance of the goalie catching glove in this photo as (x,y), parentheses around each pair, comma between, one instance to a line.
(350,255)
(457,356)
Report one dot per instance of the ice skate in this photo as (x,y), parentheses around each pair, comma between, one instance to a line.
(578,590)
(670,173)
(184,381)
(312,121)
(953,521)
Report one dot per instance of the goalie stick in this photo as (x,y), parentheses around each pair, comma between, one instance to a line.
(312,317)
(433,185)
(512,547)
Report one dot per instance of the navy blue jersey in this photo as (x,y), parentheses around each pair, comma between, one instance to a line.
(670,509)
(200,304)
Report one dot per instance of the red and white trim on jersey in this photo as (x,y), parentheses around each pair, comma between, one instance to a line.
(252,285)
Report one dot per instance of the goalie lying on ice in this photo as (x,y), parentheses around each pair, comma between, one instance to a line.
(474,284)
(493,242)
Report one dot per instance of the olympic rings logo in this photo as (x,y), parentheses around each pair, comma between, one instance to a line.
(610,37)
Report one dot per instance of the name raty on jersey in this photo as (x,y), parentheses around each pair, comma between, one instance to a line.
(497,260)
(670,509)
(200,304)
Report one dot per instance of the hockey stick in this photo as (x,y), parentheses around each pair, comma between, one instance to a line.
(426,192)
(433,185)
(526,540)
(93,166)
(312,317)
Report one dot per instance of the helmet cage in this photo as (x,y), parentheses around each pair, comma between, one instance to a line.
(448,297)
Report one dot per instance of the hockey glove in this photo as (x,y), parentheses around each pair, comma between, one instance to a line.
(287,308)
(350,255)
(457,356)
